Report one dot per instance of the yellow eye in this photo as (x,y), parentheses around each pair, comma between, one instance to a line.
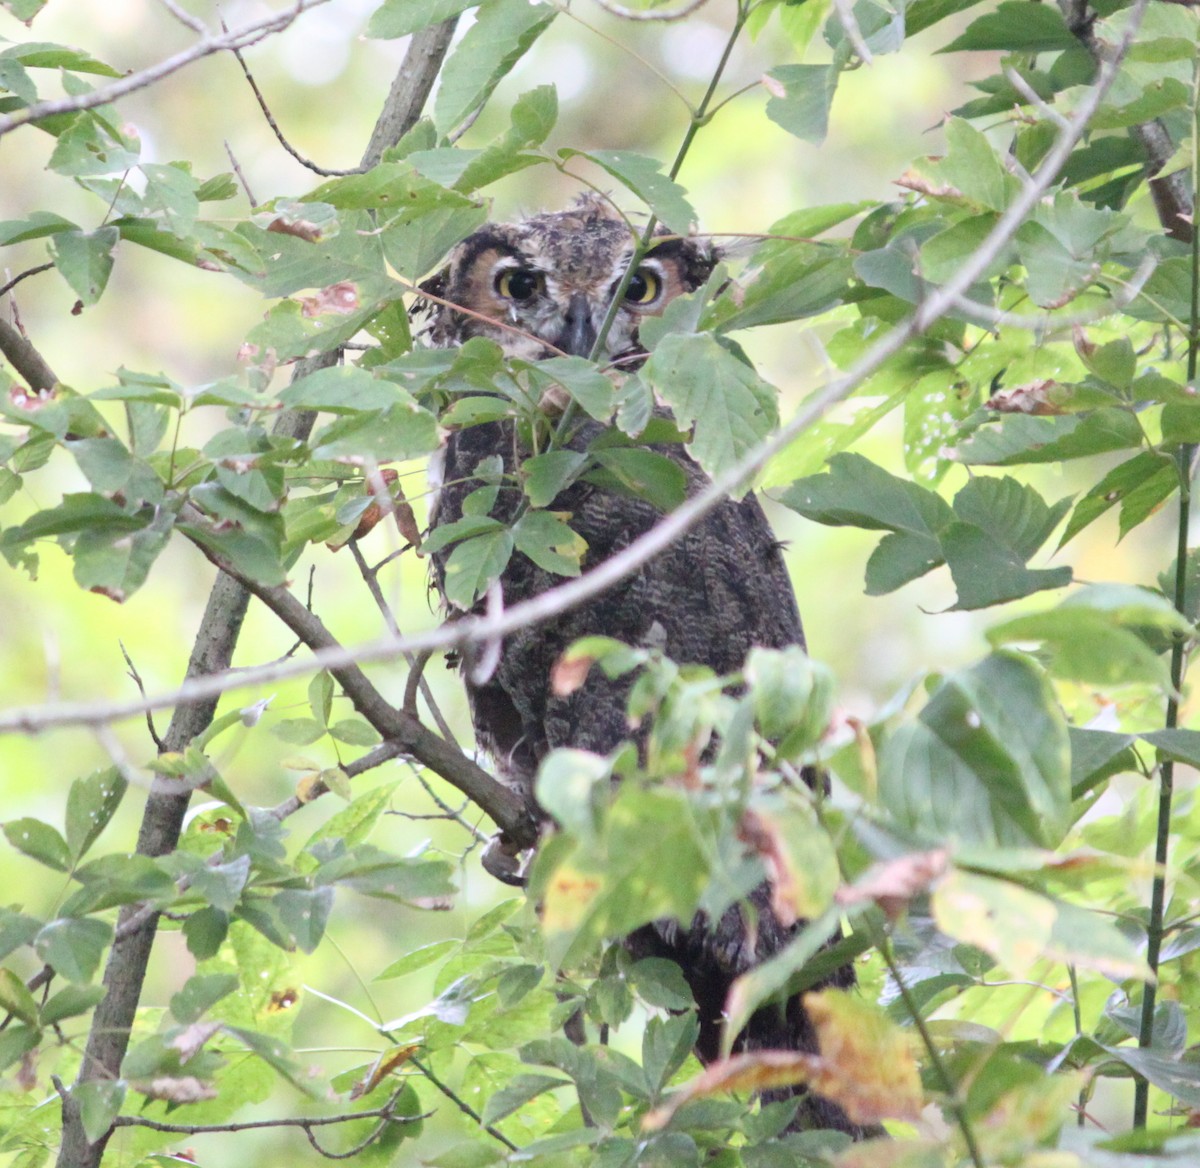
(519,284)
(643,288)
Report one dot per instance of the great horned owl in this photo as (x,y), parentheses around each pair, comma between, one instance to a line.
(542,287)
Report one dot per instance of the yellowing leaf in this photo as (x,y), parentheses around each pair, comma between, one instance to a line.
(866,1062)
(570,894)
(865,1065)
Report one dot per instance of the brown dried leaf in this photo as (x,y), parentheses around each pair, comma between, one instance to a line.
(186,1089)
(301,228)
(569,673)
(192,1038)
(116,594)
(1035,397)
(340,299)
(762,836)
(385,1064)
(759,1070)
(773,86)
(893,884)
(913,181)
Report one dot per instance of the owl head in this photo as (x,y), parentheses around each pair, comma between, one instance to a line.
(547,283)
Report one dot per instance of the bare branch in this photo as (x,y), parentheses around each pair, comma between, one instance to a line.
(5,289)
(238,38)
(193,22)
(25,359)
(849,23)
(387,1112)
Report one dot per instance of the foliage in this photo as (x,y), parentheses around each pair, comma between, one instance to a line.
(1026,908)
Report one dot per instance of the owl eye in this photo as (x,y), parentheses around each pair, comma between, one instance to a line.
(643,288)
(519,284)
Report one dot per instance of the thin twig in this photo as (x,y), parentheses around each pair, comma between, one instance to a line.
(462,1104)
(193,22)
(196,1129)
(5,289)
(237,169)
(307,163)
(238,38)
(137,680)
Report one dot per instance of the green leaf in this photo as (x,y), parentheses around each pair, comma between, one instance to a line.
(305,913)
(74,946)
(99,1102)
(583,381)
(549,542)
(400,432)
(200,993)
(1016,26)
(91,804)
(40,842)
(397,18)
(105,461)
(343,389)
(987,761)
(1022,438)
(1139,485)
(857,493)
(474,564)
(115,562)
(85,260)
(1097,754)
(205,931)
(667,1042)
(545,475)
(520,1091)
(36,226)
(666,199)
(1095,636)
(641,474)
(502,33)
(15,999)
(730,408)
(45,55)
(16,930)
(418,959)
(355,732)
(803,110)
(1180,745)
(71,1002)
(221,885)
(299,731)
(986,572)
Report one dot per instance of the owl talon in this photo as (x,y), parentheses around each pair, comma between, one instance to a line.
(502,859)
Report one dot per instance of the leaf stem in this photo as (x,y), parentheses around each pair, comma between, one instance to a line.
(1185,457)
(955,1103)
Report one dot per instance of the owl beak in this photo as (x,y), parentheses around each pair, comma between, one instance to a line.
(578,336)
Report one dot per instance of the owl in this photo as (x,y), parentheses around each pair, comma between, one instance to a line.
(540,288)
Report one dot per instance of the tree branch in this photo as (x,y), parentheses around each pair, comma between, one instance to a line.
(25,359)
